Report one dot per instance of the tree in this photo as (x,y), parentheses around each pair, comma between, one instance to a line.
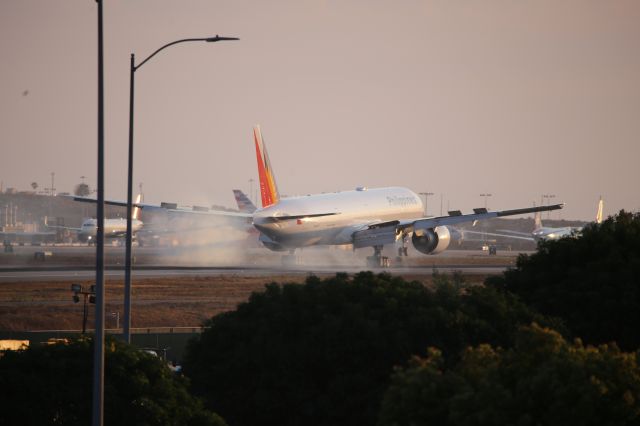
(591,281)
(82,190)
(543,380)
(322,353)
(52,385)
(34,185)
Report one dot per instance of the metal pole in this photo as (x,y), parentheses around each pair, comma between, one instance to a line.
(126,331)
(129,236)
(85,314)
(98,341)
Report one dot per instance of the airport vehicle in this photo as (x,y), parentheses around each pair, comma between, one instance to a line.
(113,228)
(544,233)
(362,217)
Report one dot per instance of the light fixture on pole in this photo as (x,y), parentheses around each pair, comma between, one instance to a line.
(129,237)
(89,296)
(548,197)
(485,196)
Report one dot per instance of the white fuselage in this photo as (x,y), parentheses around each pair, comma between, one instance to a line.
(553,233)
(113,228)
(340,214)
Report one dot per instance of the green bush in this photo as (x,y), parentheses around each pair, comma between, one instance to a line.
(52,384)
(592,281)
(322,353)
(542,381)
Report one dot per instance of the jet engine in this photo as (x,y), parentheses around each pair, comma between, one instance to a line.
(270,244)
(432,240)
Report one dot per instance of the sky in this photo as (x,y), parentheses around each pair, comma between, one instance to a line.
(458,98)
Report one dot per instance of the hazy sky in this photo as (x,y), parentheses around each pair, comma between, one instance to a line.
(515,98)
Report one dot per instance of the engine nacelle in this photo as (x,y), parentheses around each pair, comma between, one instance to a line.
(432,240)
(270,244)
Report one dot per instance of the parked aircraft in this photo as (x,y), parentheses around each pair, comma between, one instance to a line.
(363,217)
(544,233)
(113,228)
(245,205)
(188,225)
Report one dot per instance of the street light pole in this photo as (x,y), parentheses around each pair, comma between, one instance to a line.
(98,340)
(426,196)
(548,197)
(251,189)
(129,237)
(484,226)
(485,199)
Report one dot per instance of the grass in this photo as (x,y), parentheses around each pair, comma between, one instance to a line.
(156,302)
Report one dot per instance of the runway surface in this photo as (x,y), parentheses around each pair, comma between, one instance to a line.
(78,262)
(67,274)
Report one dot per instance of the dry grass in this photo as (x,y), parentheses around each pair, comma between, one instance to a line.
(156,302)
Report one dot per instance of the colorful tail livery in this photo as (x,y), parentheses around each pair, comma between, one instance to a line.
(268,188)
(244,203)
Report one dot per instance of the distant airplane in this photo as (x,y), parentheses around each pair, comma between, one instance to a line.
(544,233)
(363,217)
(113,228)
(244,203)
(193,223)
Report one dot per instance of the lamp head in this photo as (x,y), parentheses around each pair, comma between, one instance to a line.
(218,38)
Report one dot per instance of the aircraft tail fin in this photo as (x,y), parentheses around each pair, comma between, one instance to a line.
(244,203)
(537,221)
(136,210)
(268,188)
(599,213)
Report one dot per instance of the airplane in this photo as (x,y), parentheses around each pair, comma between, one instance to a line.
(245,205)
(193,224)
(113,228)
(544,233)
(364,217)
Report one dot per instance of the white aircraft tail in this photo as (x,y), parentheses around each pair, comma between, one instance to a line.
(599,213)
(537,220)
(136,210)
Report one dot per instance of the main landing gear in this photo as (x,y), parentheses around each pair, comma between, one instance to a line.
(402,250)
(377,260)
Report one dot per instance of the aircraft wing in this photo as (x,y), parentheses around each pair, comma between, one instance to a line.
(70,228)
(456,217)
(517,237)
(170,208)
(509,231)
(4,234)
(387,232)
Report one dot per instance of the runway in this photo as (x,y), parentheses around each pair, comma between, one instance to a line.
(54,274)
(77,262)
